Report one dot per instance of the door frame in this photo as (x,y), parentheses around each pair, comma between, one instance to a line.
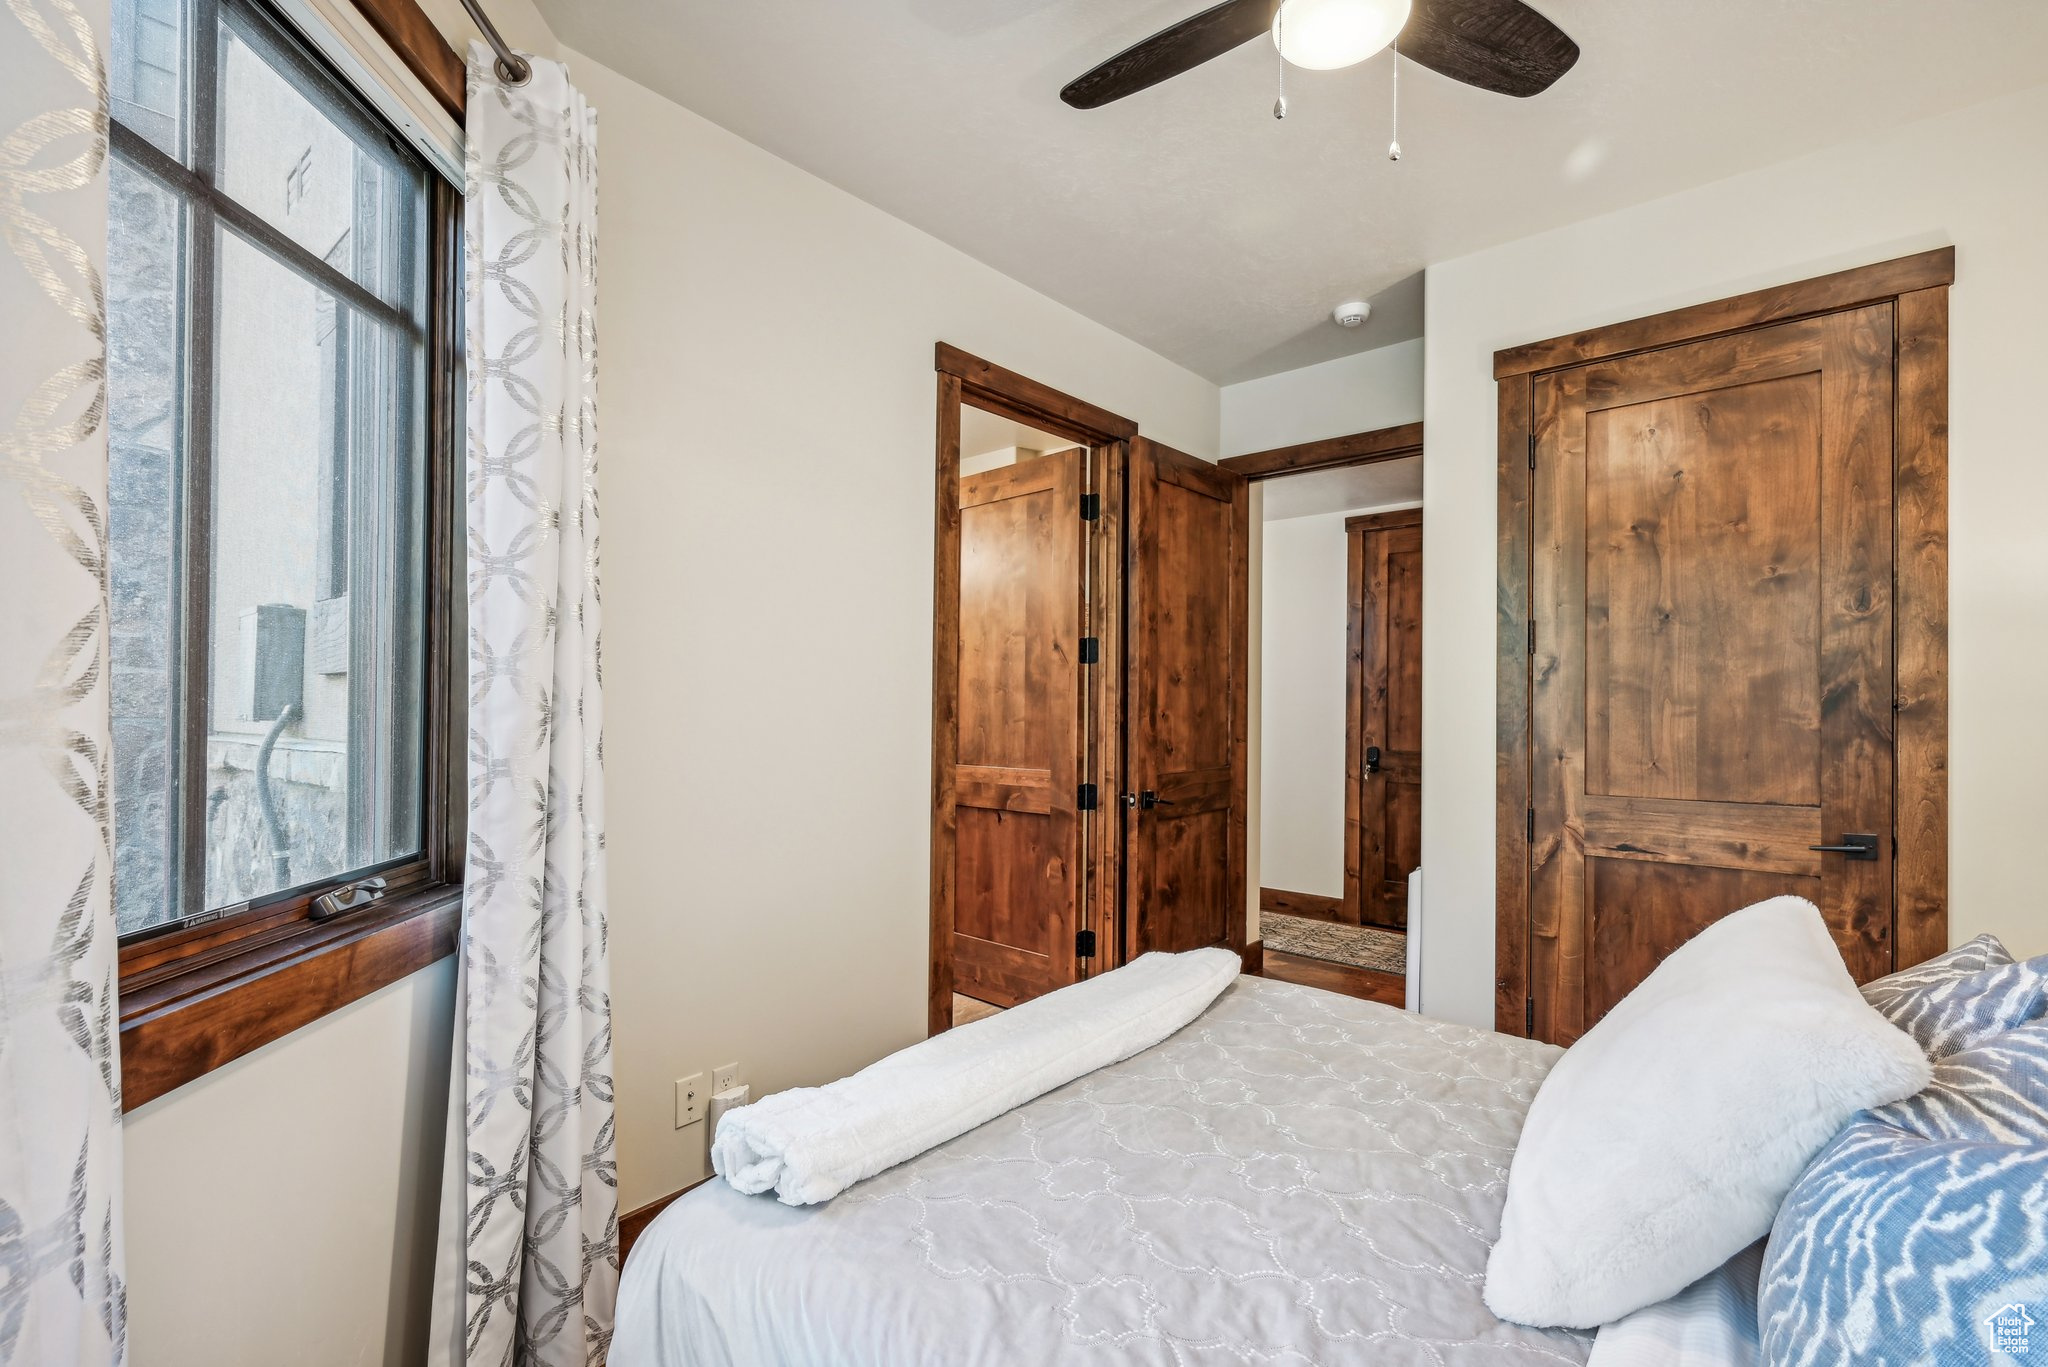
(967,379)
(1917,288)
(1330,453)
(1356,529)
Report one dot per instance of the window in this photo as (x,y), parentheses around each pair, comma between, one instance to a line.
(279,320)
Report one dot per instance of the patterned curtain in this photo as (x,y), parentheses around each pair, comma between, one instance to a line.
(62,1303)
(539,1244)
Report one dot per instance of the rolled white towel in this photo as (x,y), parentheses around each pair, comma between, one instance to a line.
(811,1143)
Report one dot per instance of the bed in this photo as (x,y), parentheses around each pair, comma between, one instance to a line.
(1295,1178)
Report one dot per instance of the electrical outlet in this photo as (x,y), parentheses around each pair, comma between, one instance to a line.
(690,1097)
(725,1077)
(721,1102)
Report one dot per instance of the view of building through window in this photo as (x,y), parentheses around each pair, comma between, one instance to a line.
(266,313)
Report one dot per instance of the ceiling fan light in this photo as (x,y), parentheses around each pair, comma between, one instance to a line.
(1323,35)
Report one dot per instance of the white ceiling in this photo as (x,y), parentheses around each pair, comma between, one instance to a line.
(1386,484)
(1189,220)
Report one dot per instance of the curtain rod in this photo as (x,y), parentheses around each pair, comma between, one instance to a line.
(513,69)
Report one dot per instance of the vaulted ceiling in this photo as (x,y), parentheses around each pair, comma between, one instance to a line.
(1188,219)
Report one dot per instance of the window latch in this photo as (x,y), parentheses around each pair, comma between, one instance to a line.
(354,897)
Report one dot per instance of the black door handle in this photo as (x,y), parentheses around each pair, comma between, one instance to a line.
(1372,759)
(1858,847)
(1148,799)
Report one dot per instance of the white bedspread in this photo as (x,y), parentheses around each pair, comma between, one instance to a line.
(1295,1178)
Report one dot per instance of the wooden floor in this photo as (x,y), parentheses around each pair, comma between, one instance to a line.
(967,1010)
(1387,988)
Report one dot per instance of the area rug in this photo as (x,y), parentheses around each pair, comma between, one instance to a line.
(1383,951)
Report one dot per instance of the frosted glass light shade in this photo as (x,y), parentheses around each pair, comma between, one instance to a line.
(1323,35)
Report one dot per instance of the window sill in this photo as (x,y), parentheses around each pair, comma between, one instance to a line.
(182,1025)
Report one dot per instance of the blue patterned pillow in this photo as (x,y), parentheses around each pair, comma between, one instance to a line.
(1923,1225)
(1963,997)
(1899,989)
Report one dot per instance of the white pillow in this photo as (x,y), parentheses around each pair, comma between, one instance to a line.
(1663,1141)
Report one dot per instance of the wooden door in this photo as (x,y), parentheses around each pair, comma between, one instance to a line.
(1383,731)
(1711,681)
(1016,819)
(1185,728)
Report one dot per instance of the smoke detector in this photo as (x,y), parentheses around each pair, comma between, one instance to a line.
(1352,314)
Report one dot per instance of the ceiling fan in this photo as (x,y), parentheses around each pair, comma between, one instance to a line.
(1498,45)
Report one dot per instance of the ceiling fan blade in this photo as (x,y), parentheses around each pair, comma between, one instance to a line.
(1498,45)
(1171,51)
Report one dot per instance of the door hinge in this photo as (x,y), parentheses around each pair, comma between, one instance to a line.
(1532,450)
(1084,944)
(1532,825)
(1087,798)
(1091,507)
(1529,1017)
(1091,650)
(1532,636)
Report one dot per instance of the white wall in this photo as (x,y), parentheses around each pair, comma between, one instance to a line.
(980,463)
(283,1209)
(1301,709)
(1301,767)
(1373,389)
(1972,179)
(767,395)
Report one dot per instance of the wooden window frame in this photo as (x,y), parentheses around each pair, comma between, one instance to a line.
(967,379)
(418,44)
(194,998)
(1917,289)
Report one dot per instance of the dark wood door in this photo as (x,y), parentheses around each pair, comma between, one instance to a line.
(1186,577)
(1712,668)
(1383,734)
(1016,822)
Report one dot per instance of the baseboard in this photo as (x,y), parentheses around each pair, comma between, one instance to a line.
(631,1225)
(1254,955)
(1312,905)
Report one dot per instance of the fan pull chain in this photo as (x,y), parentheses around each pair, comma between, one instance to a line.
(1394,148)
(1280,44)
